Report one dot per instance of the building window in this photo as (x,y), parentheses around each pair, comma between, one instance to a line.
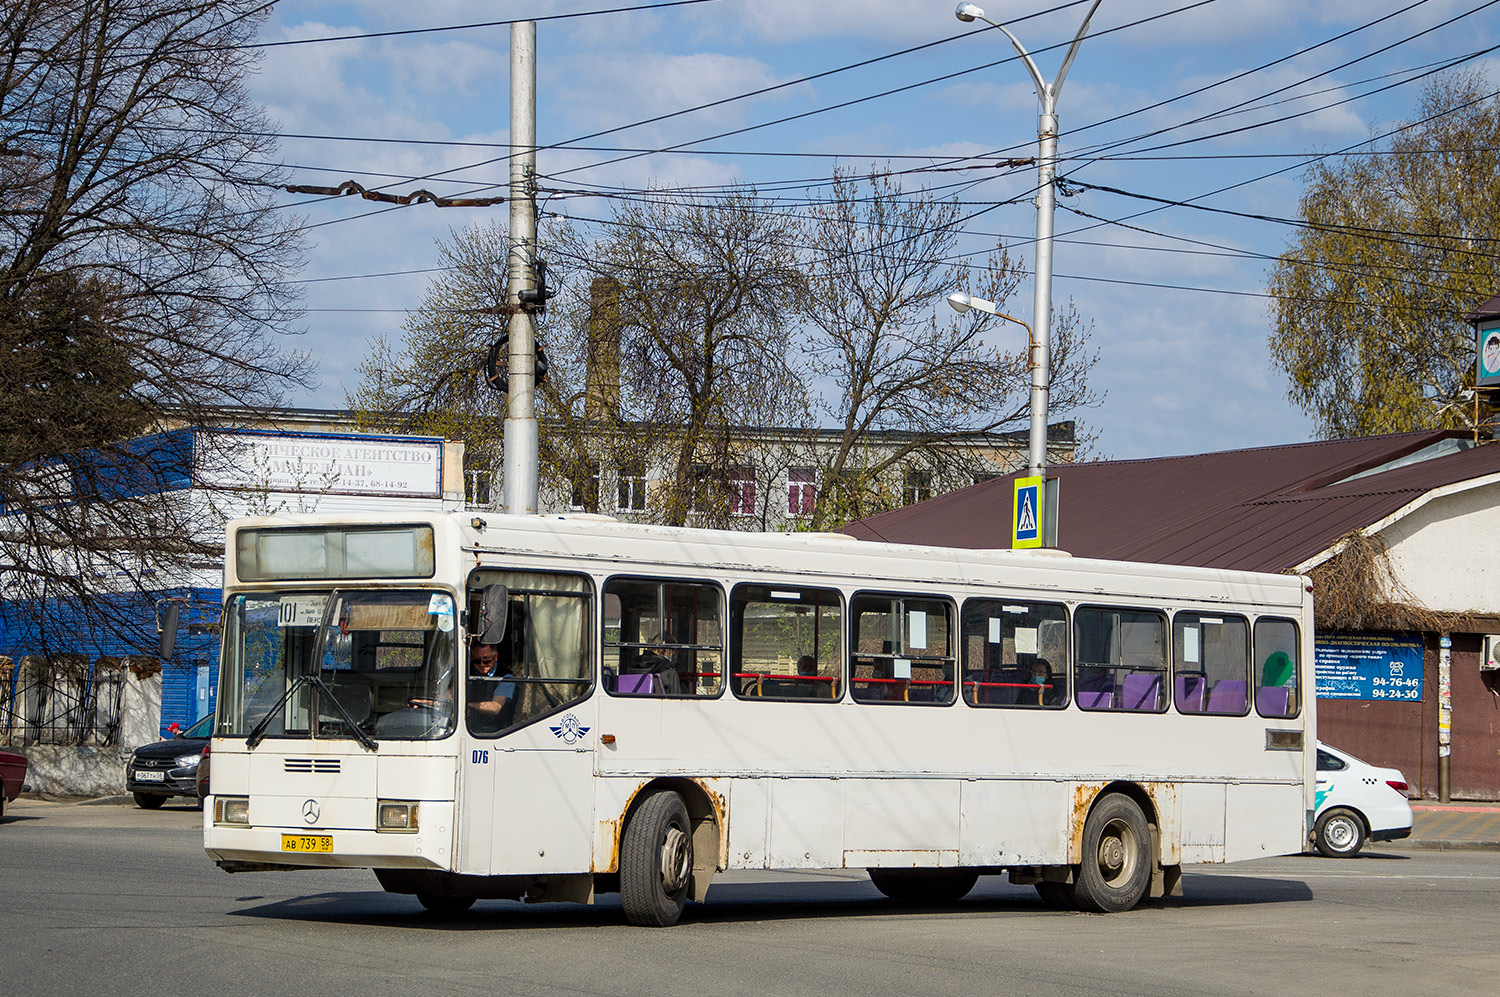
(478,489)
(801,491)
(585,487)
(742,491)
(916,486)
(631,476)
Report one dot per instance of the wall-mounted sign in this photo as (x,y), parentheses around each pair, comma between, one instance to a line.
(1367,666)
(1488,345)
(323,465)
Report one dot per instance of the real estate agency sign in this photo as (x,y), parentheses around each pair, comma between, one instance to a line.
(308,463)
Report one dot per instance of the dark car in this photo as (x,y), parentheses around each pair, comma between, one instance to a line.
(168,768)
(202,778)
(12,777)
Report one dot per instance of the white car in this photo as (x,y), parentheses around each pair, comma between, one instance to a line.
(1356,800)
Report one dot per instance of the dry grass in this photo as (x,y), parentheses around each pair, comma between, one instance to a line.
(1357,589)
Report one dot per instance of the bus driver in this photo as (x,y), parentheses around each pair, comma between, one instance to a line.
(490,688)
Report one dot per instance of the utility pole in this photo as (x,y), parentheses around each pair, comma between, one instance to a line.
(520,414)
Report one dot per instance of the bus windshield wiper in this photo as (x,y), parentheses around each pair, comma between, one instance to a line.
(259,733)
(365,740)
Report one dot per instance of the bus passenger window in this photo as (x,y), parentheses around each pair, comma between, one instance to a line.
(787,642)
(1276,671)
(902,649)
(1015,653)
(1121,660)
(1211,656)
(662,638)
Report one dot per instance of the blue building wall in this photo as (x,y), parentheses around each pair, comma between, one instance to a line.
(189,676)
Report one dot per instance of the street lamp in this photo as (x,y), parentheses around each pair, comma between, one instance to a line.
(1040,330)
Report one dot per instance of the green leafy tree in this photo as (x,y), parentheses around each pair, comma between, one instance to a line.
(1398,244)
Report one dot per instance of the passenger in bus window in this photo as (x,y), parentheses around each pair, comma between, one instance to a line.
(1041,677)
(490,689)
(657,660)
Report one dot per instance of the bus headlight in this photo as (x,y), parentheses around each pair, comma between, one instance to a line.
(396,815)
(231,810)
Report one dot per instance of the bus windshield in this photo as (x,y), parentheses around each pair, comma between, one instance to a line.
(345,663)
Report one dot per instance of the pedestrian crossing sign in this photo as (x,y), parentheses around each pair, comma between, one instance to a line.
(1026,519)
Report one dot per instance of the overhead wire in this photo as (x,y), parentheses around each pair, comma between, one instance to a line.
(675,149)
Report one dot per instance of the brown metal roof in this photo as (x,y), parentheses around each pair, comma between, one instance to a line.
(1264,509)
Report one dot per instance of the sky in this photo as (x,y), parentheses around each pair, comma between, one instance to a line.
(1214,105)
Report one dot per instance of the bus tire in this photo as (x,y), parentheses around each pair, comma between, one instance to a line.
(1056,896)
(1340,834)
(656,861)
(441,903)
(1116,869)
(924,886)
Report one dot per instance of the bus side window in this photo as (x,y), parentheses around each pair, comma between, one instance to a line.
(1015,653)
(663,637)
(786,642)
(1122,659)
(1211,658)
(1276,668)
(902,649)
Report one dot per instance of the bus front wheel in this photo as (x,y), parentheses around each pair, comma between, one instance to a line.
(656,861)
(1116,869)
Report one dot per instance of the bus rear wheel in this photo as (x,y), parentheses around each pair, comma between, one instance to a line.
(924,886)
(1116,869)
(656,861)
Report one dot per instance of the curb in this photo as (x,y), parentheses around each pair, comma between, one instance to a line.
(1450,845)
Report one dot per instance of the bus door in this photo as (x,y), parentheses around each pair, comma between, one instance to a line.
(529,761)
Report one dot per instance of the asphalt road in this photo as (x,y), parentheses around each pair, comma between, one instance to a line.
(111,899)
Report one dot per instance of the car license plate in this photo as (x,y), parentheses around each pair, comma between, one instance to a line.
(307,842)
(147,775)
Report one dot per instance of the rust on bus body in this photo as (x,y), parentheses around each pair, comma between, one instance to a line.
(610,830)
(1163,797)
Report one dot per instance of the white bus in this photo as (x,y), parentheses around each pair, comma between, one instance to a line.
(671,703)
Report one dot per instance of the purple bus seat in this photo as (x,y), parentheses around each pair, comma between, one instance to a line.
(643,684)
(1273,700)
(1093,699)
(1227,696)
(1141,692)
(1190,693)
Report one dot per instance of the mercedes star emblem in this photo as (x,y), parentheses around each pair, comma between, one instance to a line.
(310,811)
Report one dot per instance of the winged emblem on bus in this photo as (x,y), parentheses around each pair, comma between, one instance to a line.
(570,729)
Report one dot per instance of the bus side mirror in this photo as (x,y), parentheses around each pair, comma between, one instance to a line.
(166,628)
(494,605)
